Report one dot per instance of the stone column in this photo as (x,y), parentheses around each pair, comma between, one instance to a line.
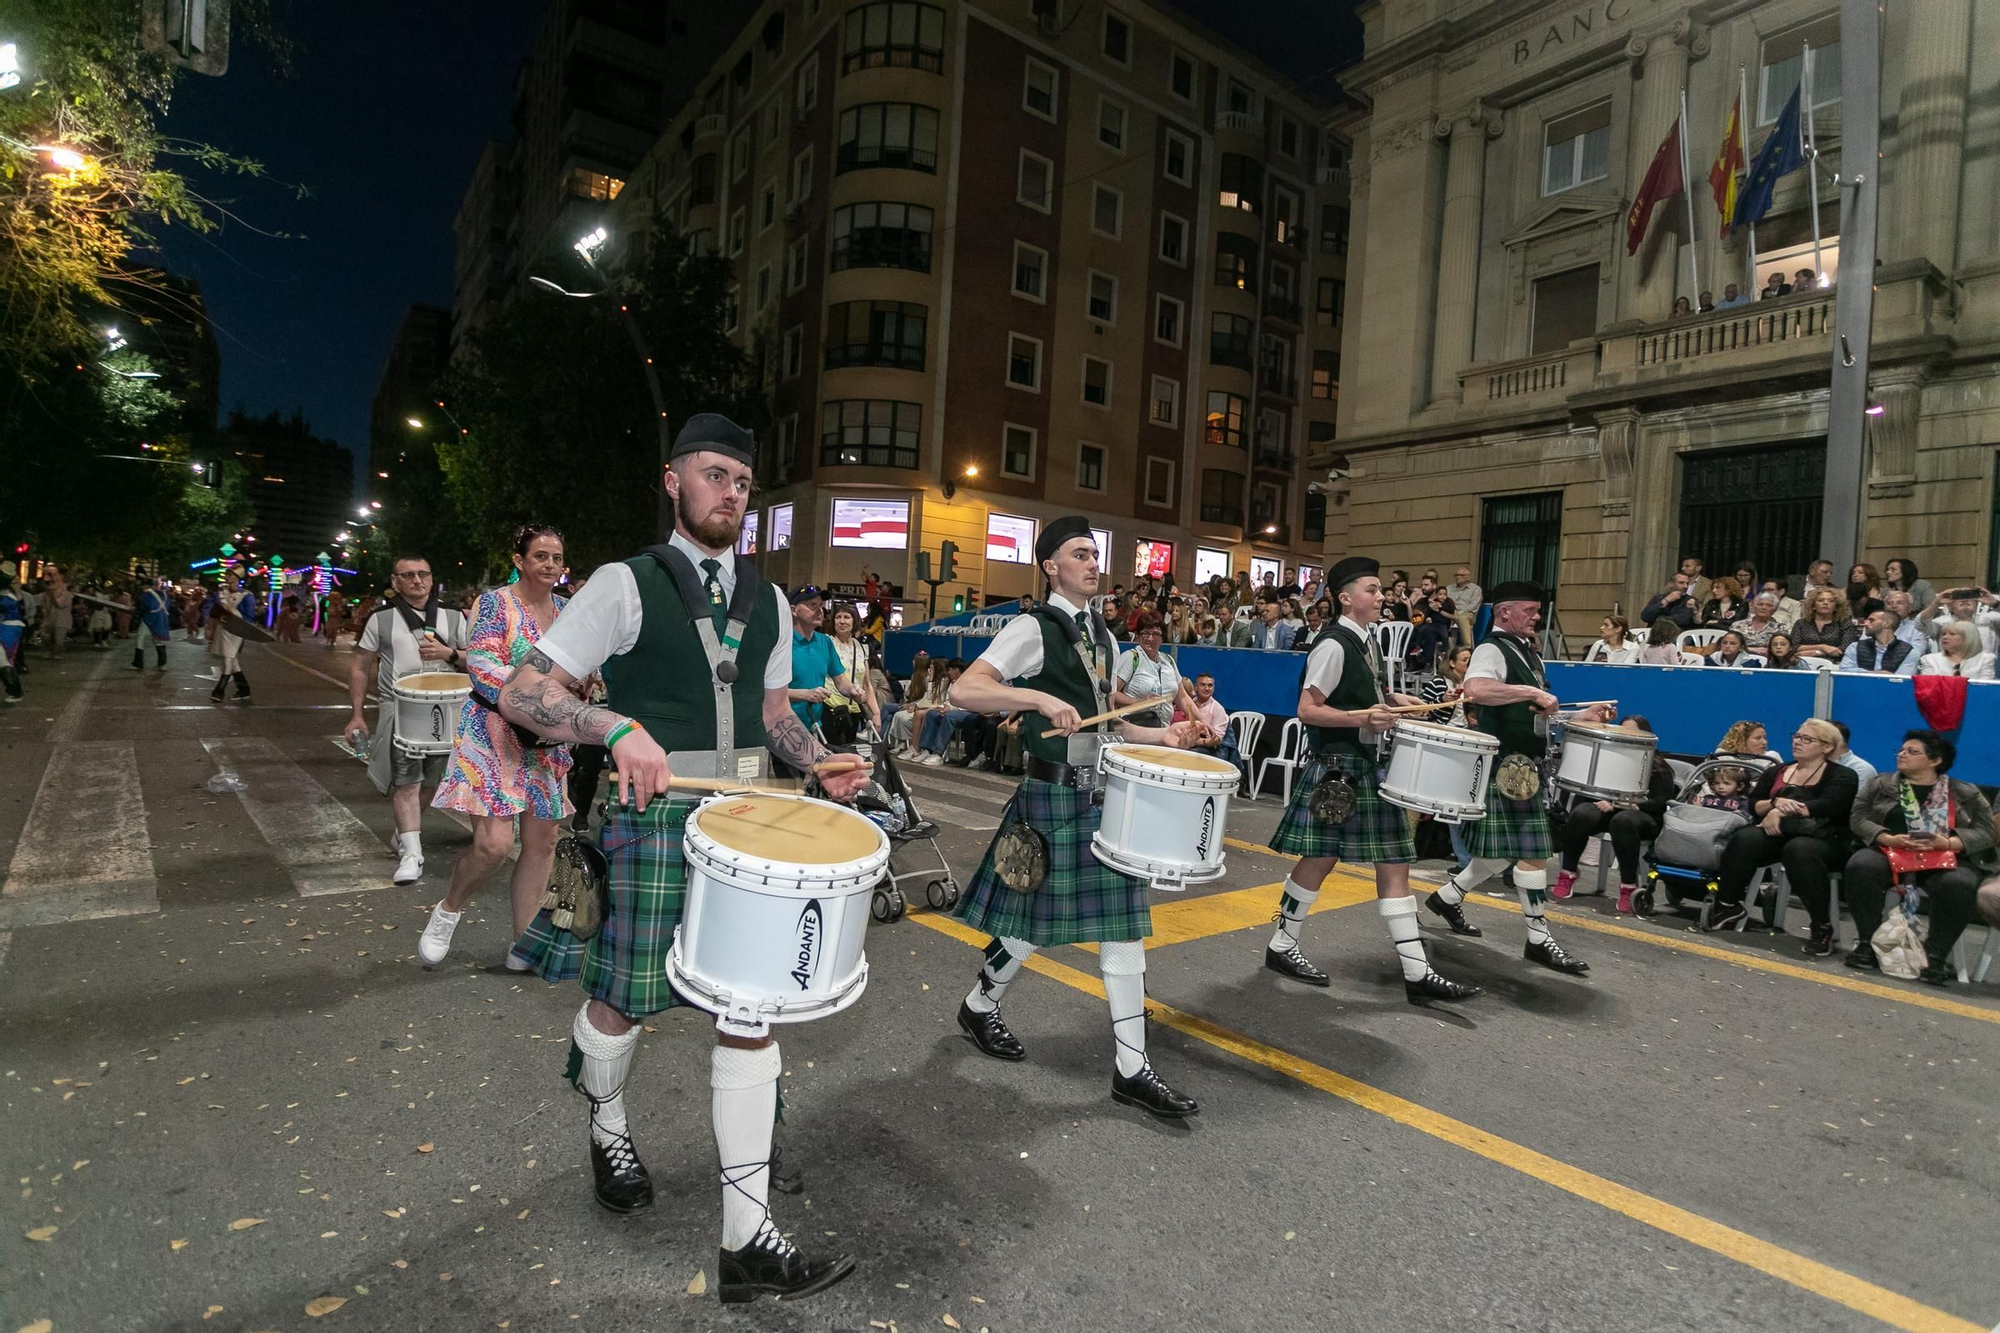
(1662,60)
(1458,250)
(1892,436)
(1930,134)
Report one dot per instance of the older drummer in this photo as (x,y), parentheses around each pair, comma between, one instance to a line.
(411,632)
(1509,689)
(668,629)
(1337,809)
(1039,883)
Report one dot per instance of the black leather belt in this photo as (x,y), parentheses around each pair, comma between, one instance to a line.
(1060,774)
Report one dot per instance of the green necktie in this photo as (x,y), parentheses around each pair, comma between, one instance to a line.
(718,609)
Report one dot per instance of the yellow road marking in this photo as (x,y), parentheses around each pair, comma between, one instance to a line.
(1808,1275)
(1178,920)
(1258,848)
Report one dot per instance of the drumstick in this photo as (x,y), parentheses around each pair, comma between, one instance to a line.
(1589,703)
(726,784)
(1418,708)
(1138,707)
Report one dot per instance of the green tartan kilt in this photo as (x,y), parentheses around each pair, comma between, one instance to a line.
(1377,833)
(625,963)
(1512,830)
(1082,900)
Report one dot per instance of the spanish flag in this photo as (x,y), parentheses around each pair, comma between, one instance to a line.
(1722,176)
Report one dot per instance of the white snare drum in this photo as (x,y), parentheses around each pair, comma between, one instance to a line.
(777,905)
(1164,812)
(1440,771)
(427,707)
(1606,763)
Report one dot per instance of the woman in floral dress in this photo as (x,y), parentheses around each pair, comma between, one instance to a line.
(493,775)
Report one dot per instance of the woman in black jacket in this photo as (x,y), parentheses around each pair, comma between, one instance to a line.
(1628,823)
(1802,809)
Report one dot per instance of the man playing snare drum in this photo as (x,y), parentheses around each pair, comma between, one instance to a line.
(1337,809)
(1040,883)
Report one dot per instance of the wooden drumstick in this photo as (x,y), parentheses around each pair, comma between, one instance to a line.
(724,784)
(1441,707)
(1138,707)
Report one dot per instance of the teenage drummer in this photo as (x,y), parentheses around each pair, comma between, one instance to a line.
(1040,884)
(695,653)
(1337,809)
(411,632)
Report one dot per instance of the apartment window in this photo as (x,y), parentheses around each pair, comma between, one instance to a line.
(1285,213)
(1276,356)
(739,154)
(1034,181)
(1165,402)
(882,236)
(888,134)
(774,122)
(906,35)
(1322,432)
(732,314)
(1117,38)
(1225,419)
(797,256)
(794,352)
(1267,509)
(1229,341)
(1178,160)
(701,242)
(767,207)
(1577,149)
(1096,381)
(1180,76)
(802,176)
(1107,208)
(1242,182)
(805,87)
(1326,374)
(1173,238)
(1038,90)
(1282,282)
(869,432)
(1221,496)
(1102,302)
(1090,467)
(1329,302)
(1024,362)
(1031,266)
(1333,229)
(1782,64)
(1169,315)
(1565,309)
(1313,525)
(875,333)
(701,181)
(1017,451)
(738,228)
(1159,482)
(1111,120)
(587,184)
(1288,137)
(763,288)
(1235,260)
(1240,98)
(1274,438)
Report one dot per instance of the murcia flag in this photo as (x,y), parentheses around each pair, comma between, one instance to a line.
(1728,162)
(1663,181)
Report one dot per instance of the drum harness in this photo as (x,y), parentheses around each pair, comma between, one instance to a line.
(1333,796)
(1021,851)
(1519,777)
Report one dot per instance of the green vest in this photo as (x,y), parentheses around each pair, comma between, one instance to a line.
(1062,675)
(1355,691)
(1514,724)
(664,682)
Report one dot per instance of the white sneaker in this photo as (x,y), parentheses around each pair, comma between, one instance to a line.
(436,941)
(932,760)
(409,860)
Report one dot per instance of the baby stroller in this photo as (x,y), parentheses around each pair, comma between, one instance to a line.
(887,800)
(1687,855)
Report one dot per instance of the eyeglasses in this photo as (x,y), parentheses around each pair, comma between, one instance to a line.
(414,574)
(1798,736)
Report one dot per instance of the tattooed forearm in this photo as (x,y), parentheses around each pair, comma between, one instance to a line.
(790,741)
(545,706)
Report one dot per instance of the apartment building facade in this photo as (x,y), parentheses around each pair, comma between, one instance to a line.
(1008,261)
(1521,396)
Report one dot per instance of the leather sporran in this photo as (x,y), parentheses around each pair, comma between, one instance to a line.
(1021,857)
(578,896)
(1332,799)
(1518,778)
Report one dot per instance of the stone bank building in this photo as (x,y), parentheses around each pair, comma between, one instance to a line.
(1516,393)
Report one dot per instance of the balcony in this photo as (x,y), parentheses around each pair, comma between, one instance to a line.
(1335,177)
(856,156)
(711,127)
(894,356)
(1278,380)
(1242,122)
(1734,341)
(1283,309)
(1530,381)
(1275,454)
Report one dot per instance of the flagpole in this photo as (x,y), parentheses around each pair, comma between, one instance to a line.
(1811,148)
(1744,111)
(1687,196)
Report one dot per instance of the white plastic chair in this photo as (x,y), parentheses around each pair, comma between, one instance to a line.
(1291,753)
(1248,726)
(1817,663)
(1969,970)
(1696,639)
(1393,637)
(1693,659)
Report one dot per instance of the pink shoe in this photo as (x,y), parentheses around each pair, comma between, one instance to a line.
(1565,884)
(1625,892)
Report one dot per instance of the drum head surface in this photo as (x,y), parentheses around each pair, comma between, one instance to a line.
(776,828)
(435,680)
(1187,760)
(1615,734)
(1430,730)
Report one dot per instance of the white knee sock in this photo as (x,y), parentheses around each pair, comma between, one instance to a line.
(744,1104)
(599,1066)
(1004,956)
(1123,964)
(1293,904)
(1477,872)
(1529,886)
(1400,915)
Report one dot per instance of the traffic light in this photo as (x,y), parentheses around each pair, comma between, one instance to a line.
(923,566)
(957,599)
(948,564)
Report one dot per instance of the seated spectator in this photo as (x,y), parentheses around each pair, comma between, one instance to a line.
(924,694)
(1706,303)
(1731,297)
(1211,635)
(1762,622)
(1315,621)
(1430,635)
(1732,650)
(1863,770)
(1801,809)
(1748,738)
(1918,809)
(1614,644)
(1959,654)
(1294,616)
(1789,608)
(1002,752)
(1825,629)
(1725,605)
(1672,603)
(1628,822)
(1902,573)
(1144,672)
(1726,789)
(1781,653)
(942,721)
(1972,605)
(1207,708)
(1662,644)
(1266,630)
(1774,287)
(1907,628)
(1682,309)
(1881,652)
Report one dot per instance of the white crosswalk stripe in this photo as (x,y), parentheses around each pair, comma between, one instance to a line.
(321,844)
(84,852)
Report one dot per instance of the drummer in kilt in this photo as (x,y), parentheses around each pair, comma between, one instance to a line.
(650,625)
(1509,688)
(1040,884)
(1343,705)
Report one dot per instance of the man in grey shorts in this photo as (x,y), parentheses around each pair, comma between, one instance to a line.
(410,632)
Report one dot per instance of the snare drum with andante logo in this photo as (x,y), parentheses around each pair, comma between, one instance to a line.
(1164,814)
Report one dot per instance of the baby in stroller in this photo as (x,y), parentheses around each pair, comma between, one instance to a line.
(1713,803)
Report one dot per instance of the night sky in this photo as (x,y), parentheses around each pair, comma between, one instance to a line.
(382,119)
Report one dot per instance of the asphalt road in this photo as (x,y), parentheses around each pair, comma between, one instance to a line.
(230,1091)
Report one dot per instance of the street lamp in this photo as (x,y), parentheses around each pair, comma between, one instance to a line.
(61,158)
(416,423)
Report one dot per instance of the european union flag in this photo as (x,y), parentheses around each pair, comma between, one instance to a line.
(1782,153)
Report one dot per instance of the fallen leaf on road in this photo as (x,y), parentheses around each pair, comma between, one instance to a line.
(388,927)
(328,1235)
(425,1147)
(211,1312)
(1291,1235)
(521,1216)
(399,1263)
(78,1166)
(394,1212)
(698,1285)
(39,1326)
(184,1082)
(245,1223)
(948,1321)
(177,1245)
(41,1233)
(324,1305)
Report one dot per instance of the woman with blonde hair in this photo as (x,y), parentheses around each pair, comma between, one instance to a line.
(1960,652)
(1801,809)
(1824,627)
(1745,737)
(916,702)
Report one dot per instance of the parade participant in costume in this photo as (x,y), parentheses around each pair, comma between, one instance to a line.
(696,657)
(13,633)
(413,631)
(1508,687)
(1039,883)
(153,627)
(1337,810)
(232,599)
